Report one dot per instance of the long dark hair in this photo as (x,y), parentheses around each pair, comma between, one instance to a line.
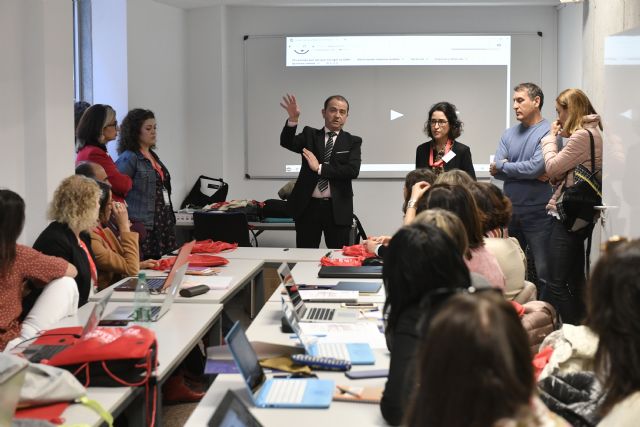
(421,257)
(474,366)
(11,224)
(130,129)
(449,110)
(92,123)
(492,202)
(613,298)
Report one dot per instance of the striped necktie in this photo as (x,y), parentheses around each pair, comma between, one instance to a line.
(323,183)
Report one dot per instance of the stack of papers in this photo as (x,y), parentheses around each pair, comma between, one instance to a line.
(327,295)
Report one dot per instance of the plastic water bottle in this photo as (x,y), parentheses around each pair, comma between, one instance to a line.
(142,305)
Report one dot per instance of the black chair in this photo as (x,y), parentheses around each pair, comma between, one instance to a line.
(230,227)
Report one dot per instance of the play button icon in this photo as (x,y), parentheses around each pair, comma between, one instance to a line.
(393,114)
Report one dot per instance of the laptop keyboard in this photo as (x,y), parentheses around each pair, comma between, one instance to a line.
(155,309)
(335,350)
(45,352)
(155,283)
(286,391)
(317,313)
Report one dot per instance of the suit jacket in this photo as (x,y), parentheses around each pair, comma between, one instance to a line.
(58,240)
(343,166)
(115,258)
(462,160)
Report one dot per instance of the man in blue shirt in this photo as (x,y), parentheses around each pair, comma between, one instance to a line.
(520,164)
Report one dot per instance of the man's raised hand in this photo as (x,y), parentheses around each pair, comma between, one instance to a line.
(290,104)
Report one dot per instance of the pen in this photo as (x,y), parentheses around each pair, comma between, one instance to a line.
(345,390)
(328,254)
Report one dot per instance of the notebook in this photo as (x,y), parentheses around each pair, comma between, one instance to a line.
(363,272)
(232,412)
(356,353)
(361,287)
(38,352)
(176,276)
(159,283)
(275,392)
(317,312)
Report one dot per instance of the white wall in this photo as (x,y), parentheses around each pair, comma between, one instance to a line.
(36,106)
(378,202)
(156,80)
(570,17)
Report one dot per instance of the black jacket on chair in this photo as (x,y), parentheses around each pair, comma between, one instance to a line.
(343,166)
(462,160)
(58,240)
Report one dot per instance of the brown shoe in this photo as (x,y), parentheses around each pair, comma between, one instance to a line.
(175,390)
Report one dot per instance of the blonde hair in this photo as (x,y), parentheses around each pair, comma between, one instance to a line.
(448,222)
(75,203)
(455,177)
(577,105)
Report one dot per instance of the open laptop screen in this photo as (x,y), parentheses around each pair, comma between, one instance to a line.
(245,357)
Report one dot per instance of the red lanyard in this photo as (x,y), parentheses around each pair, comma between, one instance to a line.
(92,265)
(440,162)
(100,231)
(154,164)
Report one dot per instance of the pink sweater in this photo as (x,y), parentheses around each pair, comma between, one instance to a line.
(485,263)
(559,165)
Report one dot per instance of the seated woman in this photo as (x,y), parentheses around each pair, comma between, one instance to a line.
(74,211)
(613,298)
(59,297)
(378,244)
(115,257)
(421,258)
(443,127)
(475,368)
(496,209)
(458,199)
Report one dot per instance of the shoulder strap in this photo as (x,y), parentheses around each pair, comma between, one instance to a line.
(593,152)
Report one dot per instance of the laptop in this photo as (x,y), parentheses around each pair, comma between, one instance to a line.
(38,352)
(159,283)
(356,353)
(317,312)
(176,276)
(339,272)
(232,412)
(275,392)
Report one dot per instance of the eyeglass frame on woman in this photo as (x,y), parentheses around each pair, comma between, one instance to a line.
(438,123)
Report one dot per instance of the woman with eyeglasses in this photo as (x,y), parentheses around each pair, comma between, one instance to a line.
(421,258)
(149,200)
(577,120)
(443,152)
(613,298)
(475,368)
(98,126)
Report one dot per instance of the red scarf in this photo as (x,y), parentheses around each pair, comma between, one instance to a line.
(100,232)
(439,163)
(92,265)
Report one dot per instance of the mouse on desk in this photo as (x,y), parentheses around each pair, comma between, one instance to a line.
(373,261)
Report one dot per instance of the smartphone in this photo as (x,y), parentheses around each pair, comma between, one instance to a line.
(360,305)
(372,373)
(113,322)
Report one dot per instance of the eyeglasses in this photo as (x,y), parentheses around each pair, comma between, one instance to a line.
(114,124)
(439,123)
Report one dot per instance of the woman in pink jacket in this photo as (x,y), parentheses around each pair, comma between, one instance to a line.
(576,120)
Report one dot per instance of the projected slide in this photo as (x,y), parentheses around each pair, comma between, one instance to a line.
(390,82)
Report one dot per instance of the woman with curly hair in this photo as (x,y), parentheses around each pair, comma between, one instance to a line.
(443,127)
(19,263)
(97,127)
(149,200)
(74,211)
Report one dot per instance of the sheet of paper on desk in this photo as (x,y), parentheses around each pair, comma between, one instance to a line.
(326,295)
(346,333)
(213,282)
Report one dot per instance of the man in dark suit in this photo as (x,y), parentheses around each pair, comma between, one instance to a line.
(322,199)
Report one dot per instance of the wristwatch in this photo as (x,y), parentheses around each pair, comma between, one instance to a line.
(411,204)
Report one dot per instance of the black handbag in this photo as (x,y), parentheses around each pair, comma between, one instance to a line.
(576,203)
(206,191)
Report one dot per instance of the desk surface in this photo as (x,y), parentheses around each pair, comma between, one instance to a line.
(241,270)
(266,328)
(177,333)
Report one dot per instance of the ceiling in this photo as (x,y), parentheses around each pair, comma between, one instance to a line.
(188,4)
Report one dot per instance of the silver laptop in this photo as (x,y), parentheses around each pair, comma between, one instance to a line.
(315,312)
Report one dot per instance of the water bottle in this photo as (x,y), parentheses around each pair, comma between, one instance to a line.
(142,306)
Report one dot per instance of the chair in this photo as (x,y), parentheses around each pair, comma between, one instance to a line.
(230,227)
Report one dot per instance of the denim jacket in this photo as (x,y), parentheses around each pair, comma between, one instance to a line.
(141,199)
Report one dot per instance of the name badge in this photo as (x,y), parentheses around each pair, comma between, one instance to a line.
(447,157)
(165,196)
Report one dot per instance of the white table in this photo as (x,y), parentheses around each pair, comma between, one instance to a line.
(243,271)
(177,332)
(266,327)
(276,255)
